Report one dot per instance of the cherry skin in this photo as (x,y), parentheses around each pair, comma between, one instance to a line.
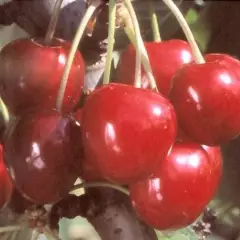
(230,62)
(86,168)
(165,58)
(127,131)
(6,186)
(215,156)
(214,153)
(41,153)
(17,203)
(89,172)
(179,190)
(30,75)
(206,98)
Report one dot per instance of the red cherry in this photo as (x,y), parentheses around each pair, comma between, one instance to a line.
(165,58)
(215,156)
(86,168)
(78,115)
(180,189)
(127,131)
(5,182)
(30,75)
(206,98)
(41,153)
(230,62)
(89,172)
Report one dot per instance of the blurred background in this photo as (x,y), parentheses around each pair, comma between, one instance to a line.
(215,25)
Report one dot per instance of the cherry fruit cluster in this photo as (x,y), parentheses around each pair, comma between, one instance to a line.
(163,145)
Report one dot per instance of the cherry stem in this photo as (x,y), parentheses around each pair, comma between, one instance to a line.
(138,73)
(134,35)
(4,111)
(35,235)
(154,22)
(49,234)
(100,184)
(87,16)
(145,60)
(10,229)
(53,22)
(187,31)
(111,40)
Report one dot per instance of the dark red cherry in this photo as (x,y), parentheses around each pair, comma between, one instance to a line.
(127,131)
(30,75)
(179,190)
(165,57)
(41,153)
(78,115)
(6,186)
(230,62)
(17,203)
(89,172)
(86,169)
(206,98)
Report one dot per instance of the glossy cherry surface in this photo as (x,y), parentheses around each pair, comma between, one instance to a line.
(127,131)
(206,98)
(179,190)
(85,167)
(30,75)
(229,61)
(215,156)
(41,152)
(6,186)
(165,58)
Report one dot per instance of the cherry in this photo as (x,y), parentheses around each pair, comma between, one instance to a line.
(87,170)
(179,190)
(78,115)
(127,131)
(30,75)
(230,62)
(215,156)
(5,182)
(214,153)
(17,203)
(206,98)
(41,153)
(165,58)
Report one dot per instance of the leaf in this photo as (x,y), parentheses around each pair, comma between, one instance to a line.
(183,234)
(191,16)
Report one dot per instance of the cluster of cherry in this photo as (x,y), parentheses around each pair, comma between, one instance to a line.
(163,145)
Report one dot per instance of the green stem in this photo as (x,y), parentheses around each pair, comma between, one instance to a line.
(4,111)
(187,31)
(91,9)
(10,229)
(137,82)
(53,22)
(49,234)
(154,22)
(111,34)
(100,184)
(145,60)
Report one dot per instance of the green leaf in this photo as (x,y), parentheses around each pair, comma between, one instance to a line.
(191,16)
(183,234)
